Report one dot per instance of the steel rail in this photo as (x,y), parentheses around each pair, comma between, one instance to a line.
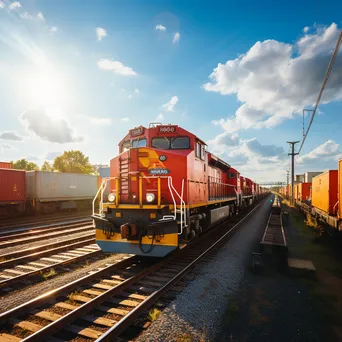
(44,236)
(121,325)
(33,220)
(44,252)
(33,303)
(13,234)
(47,268)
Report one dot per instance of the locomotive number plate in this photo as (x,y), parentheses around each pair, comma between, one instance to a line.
(158,171)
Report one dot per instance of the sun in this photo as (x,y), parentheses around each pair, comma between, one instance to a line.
(45,87)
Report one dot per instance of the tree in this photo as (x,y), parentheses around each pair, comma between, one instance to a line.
(23,164)
(47,167)
(74,162)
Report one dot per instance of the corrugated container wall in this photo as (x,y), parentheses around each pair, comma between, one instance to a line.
(340,188)
(324,191)
(5,165)
(12,185)
(304,192)
(296,192)
(309,175)
(59,186)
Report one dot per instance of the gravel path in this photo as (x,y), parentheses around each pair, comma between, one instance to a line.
(196,313)
(18,297)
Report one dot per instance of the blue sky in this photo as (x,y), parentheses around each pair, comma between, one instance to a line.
(79,74)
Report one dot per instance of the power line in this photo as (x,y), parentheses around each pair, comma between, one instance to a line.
(326,77)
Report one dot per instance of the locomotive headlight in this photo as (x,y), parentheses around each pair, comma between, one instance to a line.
(111,197)
(150,197)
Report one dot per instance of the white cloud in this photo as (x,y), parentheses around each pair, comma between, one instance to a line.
(99,121)
(29,16)
(2,5)
(100,33)
(306,29)
(115,66)
(48,126)
(168,107)
(160,28)
(137,91)
(129,96)
(7,147)
(53,29)
(176,37)
(125,119)
(223,141)
(275,81)
(14,5)
(40,16)
(26,15)
(264,150)
(160,117)
(328,150)
(10,136)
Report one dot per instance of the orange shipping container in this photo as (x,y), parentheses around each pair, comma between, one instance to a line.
(304,191)
(340,188)
(324,191)
(5,165)
(296,193)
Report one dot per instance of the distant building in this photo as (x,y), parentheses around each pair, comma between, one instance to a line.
(299,178)
(309,175)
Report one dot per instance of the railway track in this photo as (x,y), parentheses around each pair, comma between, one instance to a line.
(27,266)
(16,239)
(17,222)
(102,305)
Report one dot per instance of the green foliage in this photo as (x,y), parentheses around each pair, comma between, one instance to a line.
(23,164)
(47,167)
(154,314)
(73,161)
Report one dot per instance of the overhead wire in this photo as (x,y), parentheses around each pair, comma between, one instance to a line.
(326,77)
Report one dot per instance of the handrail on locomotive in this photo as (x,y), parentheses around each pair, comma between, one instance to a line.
(182,210)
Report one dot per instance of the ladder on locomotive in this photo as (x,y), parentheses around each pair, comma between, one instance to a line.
(124,181)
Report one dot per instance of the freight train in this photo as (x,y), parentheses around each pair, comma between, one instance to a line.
(321,198)
(166,189)
(25,192)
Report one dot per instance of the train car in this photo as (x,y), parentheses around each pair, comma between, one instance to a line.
(304,192)
(165,189)
(12,192)
(51,191)
(5,165)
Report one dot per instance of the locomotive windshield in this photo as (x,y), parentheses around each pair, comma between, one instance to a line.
(165,143)
(134,143)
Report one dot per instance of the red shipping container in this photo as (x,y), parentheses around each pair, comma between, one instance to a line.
(12,186)
(5,165)
(304,191)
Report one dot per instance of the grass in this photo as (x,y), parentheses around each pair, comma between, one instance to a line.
(325,291)
(154,314)
(48,274)
(73,295)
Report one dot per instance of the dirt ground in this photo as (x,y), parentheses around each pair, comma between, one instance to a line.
(278,306)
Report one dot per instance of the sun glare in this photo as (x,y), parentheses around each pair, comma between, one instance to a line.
(45,87)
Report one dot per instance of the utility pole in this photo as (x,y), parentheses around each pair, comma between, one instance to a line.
(292,154)
(287,176)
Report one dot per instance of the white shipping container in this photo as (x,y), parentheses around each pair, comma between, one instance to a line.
(52,186)
(309,175)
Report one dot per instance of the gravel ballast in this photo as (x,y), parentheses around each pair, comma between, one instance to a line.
(17,297)
(195,314)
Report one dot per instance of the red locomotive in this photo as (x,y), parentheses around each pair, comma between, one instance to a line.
(165,189)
